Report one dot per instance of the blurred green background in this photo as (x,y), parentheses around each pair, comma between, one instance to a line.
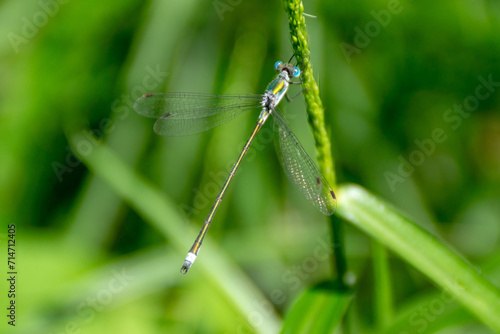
(391,74)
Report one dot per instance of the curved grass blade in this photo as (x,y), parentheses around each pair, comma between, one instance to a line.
(300,169)
(189,113)
(428,254)
(219,272)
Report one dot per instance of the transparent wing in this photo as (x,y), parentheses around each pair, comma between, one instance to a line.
(189,113)
(300,169)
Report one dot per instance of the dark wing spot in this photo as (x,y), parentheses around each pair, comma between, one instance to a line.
(333,195)
(147,95)
(318,180)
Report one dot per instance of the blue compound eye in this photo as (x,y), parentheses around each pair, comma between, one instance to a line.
(278,66)
(296,71)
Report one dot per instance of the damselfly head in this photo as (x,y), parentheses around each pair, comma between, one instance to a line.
(289,68)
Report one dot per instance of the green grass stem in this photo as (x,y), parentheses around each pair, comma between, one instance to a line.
(316,118)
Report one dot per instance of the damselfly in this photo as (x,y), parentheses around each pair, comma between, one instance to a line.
(189,113)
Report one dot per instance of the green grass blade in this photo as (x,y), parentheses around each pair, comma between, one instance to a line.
(382,285)
(425,252)
(154,207)
(320,309)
